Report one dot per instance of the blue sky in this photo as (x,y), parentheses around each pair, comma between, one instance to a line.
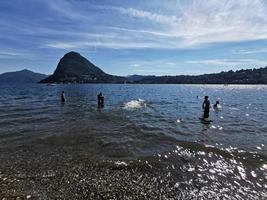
(150,37)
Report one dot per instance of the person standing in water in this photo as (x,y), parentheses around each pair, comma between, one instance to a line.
(100,100)
(63,98)
(216,104)
(206,108)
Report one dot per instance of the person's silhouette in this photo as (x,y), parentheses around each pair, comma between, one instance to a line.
(206,108)
(100,100)
(216,104)
(63,98)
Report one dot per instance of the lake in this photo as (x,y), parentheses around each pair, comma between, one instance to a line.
(150,130)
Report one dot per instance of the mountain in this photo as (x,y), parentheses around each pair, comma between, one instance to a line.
(248,76)
(74,68)
(23,76)
(135,77)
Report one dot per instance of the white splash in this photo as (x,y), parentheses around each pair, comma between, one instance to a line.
(213,127)
(134,104)
(207,145)
(242,172)
(119,163)
(253,174)
(264,167)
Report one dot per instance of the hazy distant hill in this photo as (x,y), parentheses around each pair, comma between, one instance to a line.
(134,78)
(248,76)
(74,68)
(23,76)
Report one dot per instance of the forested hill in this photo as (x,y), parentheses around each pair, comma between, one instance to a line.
(248,76)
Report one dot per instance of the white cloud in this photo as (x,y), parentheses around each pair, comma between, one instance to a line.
(171,63)
(182,24)
(112,44)
(229,20)
(68,9)
(136,65)
(254,51)
(141,31)
(155,17)
(214,21)
(64,45)
(11,54)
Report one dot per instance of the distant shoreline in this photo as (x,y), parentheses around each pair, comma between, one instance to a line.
(154,84)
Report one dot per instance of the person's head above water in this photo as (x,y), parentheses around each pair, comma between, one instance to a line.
(206,97)
(217,102)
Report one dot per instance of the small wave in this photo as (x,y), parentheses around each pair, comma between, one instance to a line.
(134,104)
(216,127)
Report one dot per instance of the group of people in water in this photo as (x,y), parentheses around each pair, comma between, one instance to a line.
(205,105)
(100,99)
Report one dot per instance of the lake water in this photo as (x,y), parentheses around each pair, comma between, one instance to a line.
(154,125)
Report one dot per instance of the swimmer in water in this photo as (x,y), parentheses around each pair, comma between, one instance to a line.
(206,108)
(63,98)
